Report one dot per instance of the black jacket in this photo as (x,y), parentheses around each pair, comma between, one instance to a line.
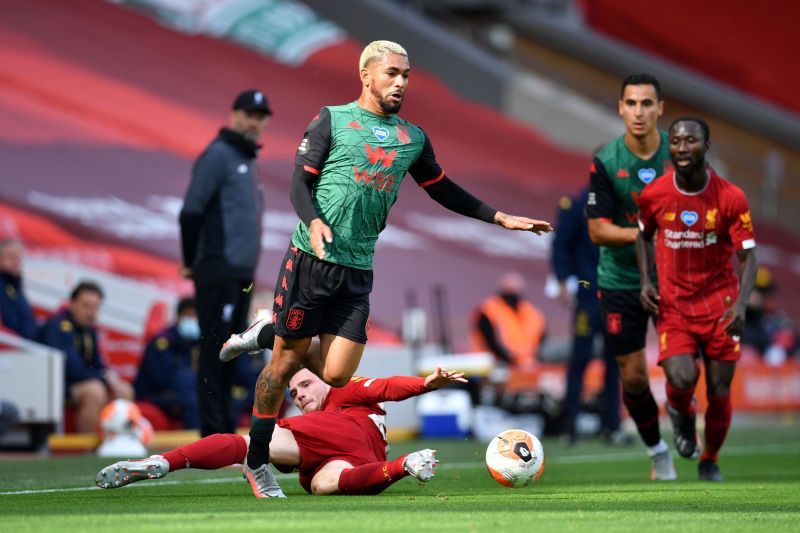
(221,216)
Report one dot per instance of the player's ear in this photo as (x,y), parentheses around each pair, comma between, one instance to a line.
(365,77)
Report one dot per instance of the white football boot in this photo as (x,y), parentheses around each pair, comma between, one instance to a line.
(247,341)
(126,472)
(421,464)
(262,481)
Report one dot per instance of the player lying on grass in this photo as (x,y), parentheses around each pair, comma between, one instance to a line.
(338,444)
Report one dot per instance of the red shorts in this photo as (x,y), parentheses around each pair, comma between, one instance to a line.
(324,437)
(677,335)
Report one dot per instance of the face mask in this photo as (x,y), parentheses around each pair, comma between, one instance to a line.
(189,328)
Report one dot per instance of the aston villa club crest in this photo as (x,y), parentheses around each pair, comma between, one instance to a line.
(295,319)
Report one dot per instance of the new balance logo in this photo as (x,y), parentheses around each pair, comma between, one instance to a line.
(379,154)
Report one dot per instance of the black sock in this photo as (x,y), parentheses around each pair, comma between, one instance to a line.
(266,337)
(261,429)
(644,411)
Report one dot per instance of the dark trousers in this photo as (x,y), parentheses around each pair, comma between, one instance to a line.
(222,308)
(586,326)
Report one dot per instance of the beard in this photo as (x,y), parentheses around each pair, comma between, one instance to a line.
(390,108)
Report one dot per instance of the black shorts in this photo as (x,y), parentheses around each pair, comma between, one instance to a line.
(624,320)
(313,297)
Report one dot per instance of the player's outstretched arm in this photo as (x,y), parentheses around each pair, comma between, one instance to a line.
(522,223)
(430,176)
(441,377)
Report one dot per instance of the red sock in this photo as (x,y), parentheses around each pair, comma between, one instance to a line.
(680,399)
(718,420)
(371,478)
(215,451)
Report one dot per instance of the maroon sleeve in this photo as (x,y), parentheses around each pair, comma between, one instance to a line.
(367,391)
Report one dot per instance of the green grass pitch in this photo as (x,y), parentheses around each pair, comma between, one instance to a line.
(590,487)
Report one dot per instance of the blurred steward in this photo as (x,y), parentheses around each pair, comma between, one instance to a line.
(508,325)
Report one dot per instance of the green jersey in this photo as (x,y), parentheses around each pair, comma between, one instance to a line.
(361,159)
(617,178)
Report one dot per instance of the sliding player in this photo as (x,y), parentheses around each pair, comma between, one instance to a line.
(338,444)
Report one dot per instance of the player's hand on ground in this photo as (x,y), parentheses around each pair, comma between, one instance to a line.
(649,298)
(319,233)
(442,377)
(734,316)
(522,223)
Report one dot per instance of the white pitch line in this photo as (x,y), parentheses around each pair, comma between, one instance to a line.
(208,481)
(569,459)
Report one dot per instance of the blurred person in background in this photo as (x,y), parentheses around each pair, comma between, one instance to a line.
(767,328)
(167,374)
(9,416)
(15,311)
(221,241)
(575,256)
(89,384)
(508,325)
(619,172)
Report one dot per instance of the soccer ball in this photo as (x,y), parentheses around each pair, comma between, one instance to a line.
(515,458)
(124,430)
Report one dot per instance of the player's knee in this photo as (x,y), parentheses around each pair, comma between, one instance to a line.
(335,379)
(634,381)
(680,379)
(719,388)
(322,485)
(681,372)
(284,367)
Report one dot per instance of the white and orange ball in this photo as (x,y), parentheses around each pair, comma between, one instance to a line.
(119,417)
(515,458)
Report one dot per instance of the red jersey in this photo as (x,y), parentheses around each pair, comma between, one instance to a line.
(361,399)
(697,235)
(351,425)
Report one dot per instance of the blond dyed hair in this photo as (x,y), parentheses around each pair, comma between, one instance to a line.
(377,49)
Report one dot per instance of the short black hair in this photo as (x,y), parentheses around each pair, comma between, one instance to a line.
(184,304)
(86,286)
(697,120)
(641,79)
